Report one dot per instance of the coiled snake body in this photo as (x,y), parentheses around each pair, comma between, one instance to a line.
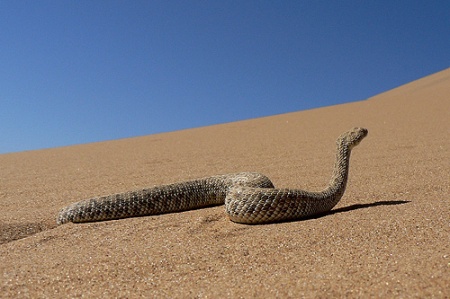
(249,197)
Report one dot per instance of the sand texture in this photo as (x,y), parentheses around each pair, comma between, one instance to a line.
(389,237)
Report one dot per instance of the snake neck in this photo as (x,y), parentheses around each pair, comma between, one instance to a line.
(338,182)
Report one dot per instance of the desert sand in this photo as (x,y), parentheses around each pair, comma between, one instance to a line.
(389,237)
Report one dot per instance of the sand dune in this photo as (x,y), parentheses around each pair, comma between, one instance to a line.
(388,237)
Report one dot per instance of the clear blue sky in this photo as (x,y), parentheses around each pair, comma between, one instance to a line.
(83,71)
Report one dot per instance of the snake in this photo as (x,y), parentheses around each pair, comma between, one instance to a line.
(249,197)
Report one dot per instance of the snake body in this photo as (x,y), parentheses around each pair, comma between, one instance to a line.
(249,197)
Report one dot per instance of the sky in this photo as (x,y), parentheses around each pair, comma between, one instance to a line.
(83,71)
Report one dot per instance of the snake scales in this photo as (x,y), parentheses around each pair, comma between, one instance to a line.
(249,197)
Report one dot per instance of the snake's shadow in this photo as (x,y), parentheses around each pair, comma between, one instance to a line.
(368,205)
(356,207)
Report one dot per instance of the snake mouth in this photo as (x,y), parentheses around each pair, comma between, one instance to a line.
(355,136)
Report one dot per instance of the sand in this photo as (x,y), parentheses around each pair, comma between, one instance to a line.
(389,237)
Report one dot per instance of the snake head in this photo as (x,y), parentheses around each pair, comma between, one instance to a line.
(354,136)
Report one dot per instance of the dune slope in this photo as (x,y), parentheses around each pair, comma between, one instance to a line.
(388,237)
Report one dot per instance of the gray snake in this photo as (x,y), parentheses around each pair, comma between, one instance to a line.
(249,197)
